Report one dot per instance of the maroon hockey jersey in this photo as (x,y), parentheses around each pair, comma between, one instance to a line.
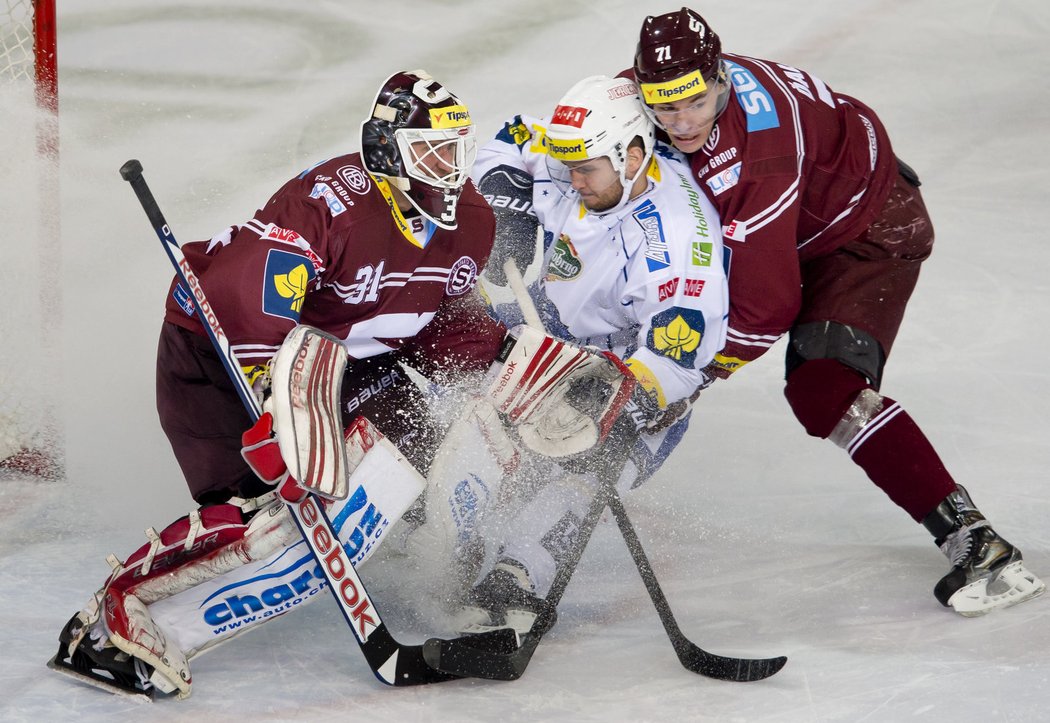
(795,171)
(331,249)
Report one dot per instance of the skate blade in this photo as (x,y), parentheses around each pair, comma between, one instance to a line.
(1013,585)
(139,696)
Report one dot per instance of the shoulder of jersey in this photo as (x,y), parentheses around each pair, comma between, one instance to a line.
(345,185)
(471,197)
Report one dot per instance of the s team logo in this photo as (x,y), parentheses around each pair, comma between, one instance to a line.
(462,276)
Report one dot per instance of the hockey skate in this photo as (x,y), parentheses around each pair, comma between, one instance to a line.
(85,654)
(987,571)
(504,599)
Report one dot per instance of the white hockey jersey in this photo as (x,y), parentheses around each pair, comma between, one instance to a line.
(646,282)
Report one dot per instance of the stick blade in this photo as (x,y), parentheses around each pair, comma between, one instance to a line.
(719,667)
(493,655)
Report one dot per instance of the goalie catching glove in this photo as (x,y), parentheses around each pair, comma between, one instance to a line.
(564,400)
(561,399)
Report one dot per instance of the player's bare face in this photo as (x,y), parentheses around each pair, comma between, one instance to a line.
(596,182)
(689,121)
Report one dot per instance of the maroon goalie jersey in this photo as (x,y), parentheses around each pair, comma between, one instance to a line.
(795,171)
(331,249)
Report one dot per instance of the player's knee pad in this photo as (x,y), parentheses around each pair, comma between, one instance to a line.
(821,392)
(853,347)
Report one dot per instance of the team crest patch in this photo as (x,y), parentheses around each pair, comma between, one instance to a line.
(355,179)
(462,276)
(565,263)
(676,333)
(286,279)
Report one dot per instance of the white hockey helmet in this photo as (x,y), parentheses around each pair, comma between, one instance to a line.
(599,117)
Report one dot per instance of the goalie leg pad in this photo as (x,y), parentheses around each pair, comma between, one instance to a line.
(132,631)
(202,544)
(562,399)
(464,481)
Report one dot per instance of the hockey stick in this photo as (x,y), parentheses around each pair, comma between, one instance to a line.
(689,654)
(455,655)
(390,661)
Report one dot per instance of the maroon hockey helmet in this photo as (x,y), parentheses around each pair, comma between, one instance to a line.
(679,56)
(675,44)
(421,138)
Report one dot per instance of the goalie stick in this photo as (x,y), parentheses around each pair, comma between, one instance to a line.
(496,659)
(393,663)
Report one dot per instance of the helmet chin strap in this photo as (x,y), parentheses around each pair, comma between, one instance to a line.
(401,184)
(628,194)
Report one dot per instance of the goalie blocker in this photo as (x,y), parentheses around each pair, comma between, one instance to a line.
(227,568)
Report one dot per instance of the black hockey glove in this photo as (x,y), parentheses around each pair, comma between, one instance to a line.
(650,418)
(509,191)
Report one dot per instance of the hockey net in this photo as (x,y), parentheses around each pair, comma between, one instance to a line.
(30,429)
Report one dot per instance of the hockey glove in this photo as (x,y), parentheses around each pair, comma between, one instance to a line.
(650,418)
(509,191)
(560,398)
(259,449)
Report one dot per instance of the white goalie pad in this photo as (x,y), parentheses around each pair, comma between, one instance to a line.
(271,571)
(307,378)
(465,480)
(562,399)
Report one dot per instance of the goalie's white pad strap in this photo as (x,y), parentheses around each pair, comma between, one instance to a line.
(307,377)
(132,630)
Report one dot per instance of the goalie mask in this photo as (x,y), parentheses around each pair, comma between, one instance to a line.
(422,140)
(598,118)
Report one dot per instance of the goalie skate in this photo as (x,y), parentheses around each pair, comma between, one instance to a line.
(104,667)
(502,600)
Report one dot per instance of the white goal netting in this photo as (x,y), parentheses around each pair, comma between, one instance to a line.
(30,438)
(16,40)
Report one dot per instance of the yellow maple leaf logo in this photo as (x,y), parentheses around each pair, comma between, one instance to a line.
(676,337)
(519,133)
(293,286)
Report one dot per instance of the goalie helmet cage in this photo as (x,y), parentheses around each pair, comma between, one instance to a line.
(30,431)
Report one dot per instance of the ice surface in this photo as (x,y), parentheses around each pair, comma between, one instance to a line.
(766,542)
